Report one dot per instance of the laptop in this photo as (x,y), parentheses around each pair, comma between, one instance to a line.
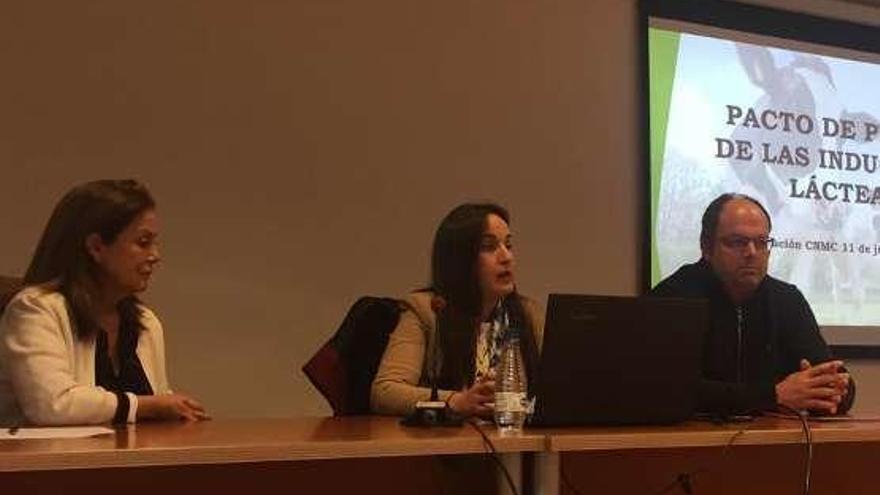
(619,360)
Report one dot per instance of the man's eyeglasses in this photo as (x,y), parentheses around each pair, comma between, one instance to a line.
(741,243)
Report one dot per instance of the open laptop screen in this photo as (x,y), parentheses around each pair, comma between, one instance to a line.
(619,360)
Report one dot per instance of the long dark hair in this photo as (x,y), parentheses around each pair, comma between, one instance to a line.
(454,277)
(103,207)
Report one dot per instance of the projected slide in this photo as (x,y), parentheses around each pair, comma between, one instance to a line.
(797,130)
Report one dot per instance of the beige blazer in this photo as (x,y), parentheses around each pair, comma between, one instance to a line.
(401,379)
(47,374)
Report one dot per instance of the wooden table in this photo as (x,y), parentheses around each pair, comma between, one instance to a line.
(367,455)
(763,456)
(312,455)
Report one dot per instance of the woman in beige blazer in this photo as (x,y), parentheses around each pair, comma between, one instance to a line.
(76,344)
(472,299)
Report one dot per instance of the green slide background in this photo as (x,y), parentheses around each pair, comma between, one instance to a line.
(662,58)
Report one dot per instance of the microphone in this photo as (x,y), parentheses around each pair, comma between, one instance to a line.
(433,412)
(438,304)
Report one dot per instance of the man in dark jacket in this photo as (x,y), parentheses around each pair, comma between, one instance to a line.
(763,350)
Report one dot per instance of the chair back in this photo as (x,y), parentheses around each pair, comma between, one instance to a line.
(344,367)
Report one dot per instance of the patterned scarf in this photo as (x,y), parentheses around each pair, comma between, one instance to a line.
(490,341)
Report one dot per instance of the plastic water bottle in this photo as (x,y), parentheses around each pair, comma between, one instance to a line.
(510,387)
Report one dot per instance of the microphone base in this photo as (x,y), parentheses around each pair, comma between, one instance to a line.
(432,413)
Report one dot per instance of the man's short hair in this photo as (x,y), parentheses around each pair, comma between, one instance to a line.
(713,213)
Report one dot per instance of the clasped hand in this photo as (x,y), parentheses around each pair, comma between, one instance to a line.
(819,388)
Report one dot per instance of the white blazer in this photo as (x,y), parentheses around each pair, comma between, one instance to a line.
(47,374)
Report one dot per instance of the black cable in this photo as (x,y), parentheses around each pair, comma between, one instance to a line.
(495,456)
(808,461)
(808,445)
(685,480)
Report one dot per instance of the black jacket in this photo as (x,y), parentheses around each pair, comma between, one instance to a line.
(751,347)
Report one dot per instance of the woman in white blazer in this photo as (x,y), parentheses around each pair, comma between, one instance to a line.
(76,344)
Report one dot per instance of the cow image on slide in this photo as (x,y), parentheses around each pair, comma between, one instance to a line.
(805,86)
